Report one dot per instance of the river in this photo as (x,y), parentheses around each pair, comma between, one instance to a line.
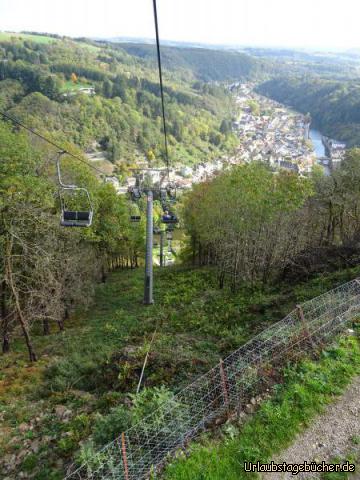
(319,149)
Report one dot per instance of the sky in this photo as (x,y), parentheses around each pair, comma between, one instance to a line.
(283,23)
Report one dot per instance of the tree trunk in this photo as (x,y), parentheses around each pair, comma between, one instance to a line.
(22,320)
(221,280)
(4,320)
(5,343)
(103,274)
(46,327)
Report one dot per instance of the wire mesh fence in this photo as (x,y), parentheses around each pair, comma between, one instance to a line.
(146,446)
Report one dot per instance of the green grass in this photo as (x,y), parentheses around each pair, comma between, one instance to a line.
(95,363)
(308,388)
(4,36)
(44,39)
(71,86)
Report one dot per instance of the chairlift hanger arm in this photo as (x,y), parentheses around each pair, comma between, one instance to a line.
(63,185)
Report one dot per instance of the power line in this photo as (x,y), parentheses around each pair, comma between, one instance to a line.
(161,86)
(51,142)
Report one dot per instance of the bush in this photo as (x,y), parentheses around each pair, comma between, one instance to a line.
(149,400)
(110,426)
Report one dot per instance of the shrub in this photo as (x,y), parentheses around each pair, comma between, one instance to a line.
(110,426)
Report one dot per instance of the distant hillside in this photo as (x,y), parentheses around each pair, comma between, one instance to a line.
(334,105)
(99,96)
(206,64)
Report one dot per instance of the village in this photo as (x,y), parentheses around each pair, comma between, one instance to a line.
(268,132)
(273,134)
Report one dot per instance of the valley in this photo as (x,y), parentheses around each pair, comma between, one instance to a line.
(258,233)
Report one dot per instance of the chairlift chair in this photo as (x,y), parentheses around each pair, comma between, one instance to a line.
(163,196)
(135,194)
(135,218)
(171,191)
(169,218)
(73,217)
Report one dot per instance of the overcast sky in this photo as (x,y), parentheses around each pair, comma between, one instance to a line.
(303,23)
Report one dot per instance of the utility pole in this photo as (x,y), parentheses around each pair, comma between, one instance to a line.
(162,248)
(148,290)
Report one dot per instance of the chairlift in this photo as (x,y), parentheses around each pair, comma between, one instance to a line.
(169,218)
(135,218)
(171,191)
(71,217)
(136,194)
(163,196)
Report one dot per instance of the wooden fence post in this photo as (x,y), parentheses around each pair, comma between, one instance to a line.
(224,383)
(301,316)
(124,457)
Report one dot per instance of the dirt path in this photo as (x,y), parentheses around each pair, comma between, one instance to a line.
(329,436)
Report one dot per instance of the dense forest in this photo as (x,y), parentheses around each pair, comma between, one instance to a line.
(334,105)
(205,64)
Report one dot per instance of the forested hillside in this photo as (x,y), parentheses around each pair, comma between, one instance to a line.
(334,105)
(205,64)
(43,83)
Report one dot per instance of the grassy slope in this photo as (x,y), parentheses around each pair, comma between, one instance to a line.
(26,36)
(97,360)
(71,86)
(307,389)
(8,36)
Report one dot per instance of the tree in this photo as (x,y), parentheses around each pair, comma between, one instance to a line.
(107,88)
(245,222)
(49,86)
(225,127)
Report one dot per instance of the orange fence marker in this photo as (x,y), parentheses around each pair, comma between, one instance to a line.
(224,382)
(123,451)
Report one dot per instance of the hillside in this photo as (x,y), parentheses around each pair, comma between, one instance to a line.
(333,104)
(102,98)
(83,382)
(256,243)
(205,64)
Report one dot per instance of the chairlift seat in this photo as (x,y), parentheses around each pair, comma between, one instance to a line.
(163,196)
(70,218)
(170,219)
(73,218)
(136,194)
(135,218)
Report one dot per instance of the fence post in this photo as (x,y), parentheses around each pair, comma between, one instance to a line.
(124,457)
(224,384)
(301,316)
